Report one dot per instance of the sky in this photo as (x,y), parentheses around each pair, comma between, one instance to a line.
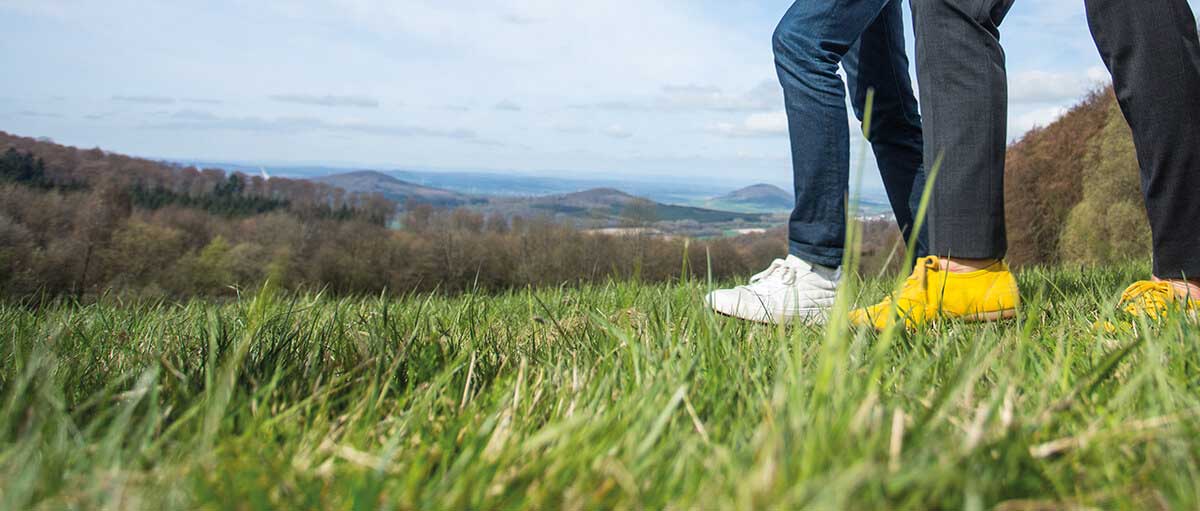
(637,89)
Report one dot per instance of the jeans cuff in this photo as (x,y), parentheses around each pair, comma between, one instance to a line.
(814,255)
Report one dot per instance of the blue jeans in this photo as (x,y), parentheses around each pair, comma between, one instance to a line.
(867,38)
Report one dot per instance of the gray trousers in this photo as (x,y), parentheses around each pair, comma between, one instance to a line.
(964,107)
(1153,51)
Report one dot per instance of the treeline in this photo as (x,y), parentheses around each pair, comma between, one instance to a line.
(153,184)
(91,242)
(85,223)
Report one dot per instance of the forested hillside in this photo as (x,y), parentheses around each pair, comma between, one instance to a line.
(1072,192)
(86,222)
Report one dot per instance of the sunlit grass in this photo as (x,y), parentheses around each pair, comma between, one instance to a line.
(623,395)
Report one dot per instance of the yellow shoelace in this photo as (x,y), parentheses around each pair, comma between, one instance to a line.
(916,283)
(1151,298)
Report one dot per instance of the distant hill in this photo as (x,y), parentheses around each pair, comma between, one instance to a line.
(759,197)
(495,183)
(402,192)
(609,205)
(600,206)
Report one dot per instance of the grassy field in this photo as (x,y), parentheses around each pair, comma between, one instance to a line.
(619,396)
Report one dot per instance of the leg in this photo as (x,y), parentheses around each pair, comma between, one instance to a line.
(809,44)
(1152,50)
(964,102)
(878,62)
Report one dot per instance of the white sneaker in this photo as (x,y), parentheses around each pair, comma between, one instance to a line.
(790,290)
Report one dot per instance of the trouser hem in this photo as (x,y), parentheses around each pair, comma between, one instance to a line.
(1176,268)
(815,255)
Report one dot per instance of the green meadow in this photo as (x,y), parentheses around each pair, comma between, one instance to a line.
(624,395)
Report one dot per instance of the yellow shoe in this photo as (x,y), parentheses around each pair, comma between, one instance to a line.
(1152,300)
(989,294)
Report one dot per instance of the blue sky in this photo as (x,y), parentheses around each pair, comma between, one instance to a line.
(637,88)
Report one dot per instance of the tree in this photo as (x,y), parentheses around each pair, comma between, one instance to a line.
(140,253)
(496,223)
(417,217)
(1109,224)
(22,167)
(16,248)
(378,209)
(207,271)
(639,213)
(99,215)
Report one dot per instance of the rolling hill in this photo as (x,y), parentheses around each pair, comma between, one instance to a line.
(402,192)
(609,205)
(598,206)
(756,198)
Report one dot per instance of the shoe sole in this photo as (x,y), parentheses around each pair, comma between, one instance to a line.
(815,319)
(984,317)
(981,317)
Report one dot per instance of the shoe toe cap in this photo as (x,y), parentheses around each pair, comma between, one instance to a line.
(724,300)
(741,303)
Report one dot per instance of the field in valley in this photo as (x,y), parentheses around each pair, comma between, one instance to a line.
(622,396)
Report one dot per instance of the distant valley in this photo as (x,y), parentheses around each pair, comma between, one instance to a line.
(399,191)
(504,184)
(585,200)
(596,207)
(611,206)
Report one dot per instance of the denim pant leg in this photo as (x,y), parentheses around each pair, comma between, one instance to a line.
(879,62)
(809,44)
(1152,49)
(964,106)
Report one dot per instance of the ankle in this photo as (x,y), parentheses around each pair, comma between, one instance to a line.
(958,265)
(1183,288)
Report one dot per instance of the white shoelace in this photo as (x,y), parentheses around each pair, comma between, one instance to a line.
(779,270)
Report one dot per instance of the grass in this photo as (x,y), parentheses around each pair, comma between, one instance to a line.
(617,396)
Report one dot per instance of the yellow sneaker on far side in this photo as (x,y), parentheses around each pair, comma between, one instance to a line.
(930,293)
(1152,300)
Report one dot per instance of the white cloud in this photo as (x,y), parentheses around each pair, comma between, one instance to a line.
(327,100)
(618,131)
(1028,120)
(768,124)
(34,113)
(145,100)
(1037,98)
(191,119)
(569,128)
(55,8)
(508,106)
(766,96)
(1039,86)
(202,101)
(1098,74)
(544,47)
